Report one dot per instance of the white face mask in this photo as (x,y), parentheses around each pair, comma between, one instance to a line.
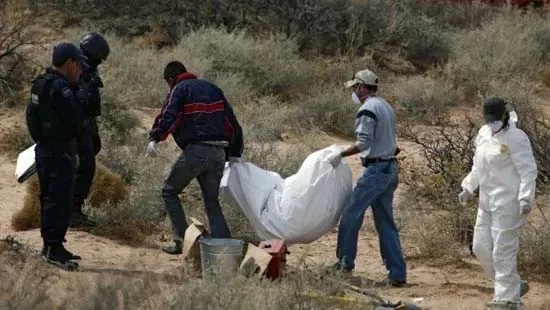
(355,98)
(496,126)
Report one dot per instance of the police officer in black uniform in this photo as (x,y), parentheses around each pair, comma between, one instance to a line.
(96,49)
(54,118)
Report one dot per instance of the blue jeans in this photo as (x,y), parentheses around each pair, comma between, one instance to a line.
(374,188)
(206,164)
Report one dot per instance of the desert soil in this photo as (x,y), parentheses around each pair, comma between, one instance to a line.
(433,285)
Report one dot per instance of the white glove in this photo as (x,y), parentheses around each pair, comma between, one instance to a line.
(335,159)
(525,207)
(152,149)
(233,160)
(464,197)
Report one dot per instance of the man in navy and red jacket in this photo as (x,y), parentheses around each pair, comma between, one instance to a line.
(204,126)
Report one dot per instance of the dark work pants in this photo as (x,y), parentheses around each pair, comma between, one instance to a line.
(206,164)
(87,148)
(55,166)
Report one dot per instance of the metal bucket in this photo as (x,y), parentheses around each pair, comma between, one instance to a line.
(220,255)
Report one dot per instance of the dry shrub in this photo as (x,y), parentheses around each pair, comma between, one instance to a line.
(118,121)
(16,67)
(534,122)
(262,66)
(270,66)
(330,110)
(28,217)
(451,15)
(329,27)
(158,37)
(24,282)
(535,247)
(506,49)
(139,216)
(447,153)
(267,119)
(343,27)
(422,98)
(439,241)
(424,41)
(107,188)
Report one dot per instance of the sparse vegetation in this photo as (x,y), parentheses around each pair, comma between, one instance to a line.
(283,72)
(180,288)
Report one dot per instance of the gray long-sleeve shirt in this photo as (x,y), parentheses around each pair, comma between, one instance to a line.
(375,129)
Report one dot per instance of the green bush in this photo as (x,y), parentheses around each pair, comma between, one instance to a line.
(140,216)
(508,49)
(423,98)
(270,66)
(330,109)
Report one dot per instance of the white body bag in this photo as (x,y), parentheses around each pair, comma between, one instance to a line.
(299,209)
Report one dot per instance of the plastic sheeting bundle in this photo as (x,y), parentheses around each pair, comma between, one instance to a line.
(299,209)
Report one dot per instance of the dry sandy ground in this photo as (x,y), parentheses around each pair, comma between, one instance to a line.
(439,287)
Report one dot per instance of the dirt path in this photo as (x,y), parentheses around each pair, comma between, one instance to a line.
(440,287)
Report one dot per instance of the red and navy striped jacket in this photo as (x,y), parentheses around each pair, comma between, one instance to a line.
(196,110)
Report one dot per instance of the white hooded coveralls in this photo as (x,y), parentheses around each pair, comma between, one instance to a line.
(505,171)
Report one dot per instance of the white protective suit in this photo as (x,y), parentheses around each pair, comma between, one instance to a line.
(505,171)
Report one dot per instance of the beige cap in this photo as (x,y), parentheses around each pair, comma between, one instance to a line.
(366,77)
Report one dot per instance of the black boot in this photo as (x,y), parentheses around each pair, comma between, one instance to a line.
(60,250)
(55,254)
(70,255)
(80,220)
(174,249)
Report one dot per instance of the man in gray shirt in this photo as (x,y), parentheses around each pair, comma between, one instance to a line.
(375,129)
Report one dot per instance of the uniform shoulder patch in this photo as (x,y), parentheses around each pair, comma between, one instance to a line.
(34,99)
(67,92)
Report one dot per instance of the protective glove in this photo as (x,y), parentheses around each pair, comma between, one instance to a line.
(233,160)
(525,207)
(335,159)
(152,149)
(464,197)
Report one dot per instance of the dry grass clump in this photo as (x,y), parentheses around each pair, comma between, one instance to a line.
(107,188)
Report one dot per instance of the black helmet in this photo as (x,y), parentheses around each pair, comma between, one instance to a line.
(95,47)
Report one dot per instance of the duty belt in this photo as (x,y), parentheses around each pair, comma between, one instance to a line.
(220,144)
(368,161)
